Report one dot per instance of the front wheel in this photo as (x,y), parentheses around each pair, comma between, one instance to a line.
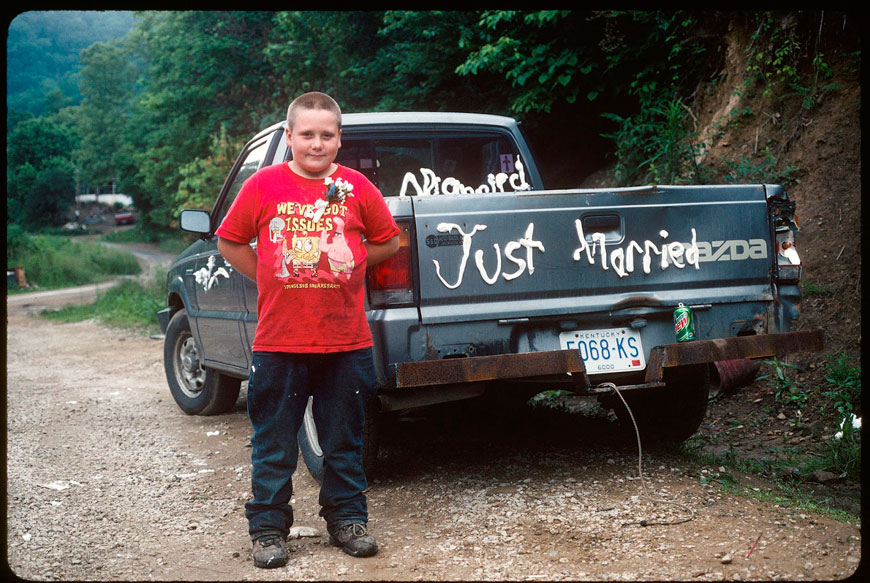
(196,389)
(669,414)
(309,443)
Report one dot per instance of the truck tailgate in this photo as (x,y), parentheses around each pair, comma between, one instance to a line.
(537,254)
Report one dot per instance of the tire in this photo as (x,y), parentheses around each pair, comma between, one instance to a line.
(196,389)
(670,414)
(309,444)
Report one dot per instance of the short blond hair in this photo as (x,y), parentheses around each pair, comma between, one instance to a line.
(312,100)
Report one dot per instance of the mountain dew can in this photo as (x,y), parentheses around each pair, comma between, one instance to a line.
(684,323)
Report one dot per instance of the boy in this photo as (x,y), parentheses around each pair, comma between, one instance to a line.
(318,225)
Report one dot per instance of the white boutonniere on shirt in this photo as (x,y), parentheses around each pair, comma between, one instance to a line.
(337,190)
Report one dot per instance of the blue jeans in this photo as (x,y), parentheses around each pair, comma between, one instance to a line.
(278,390)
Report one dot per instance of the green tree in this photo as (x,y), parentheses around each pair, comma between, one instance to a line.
(108,85)
(418,56)
(42,53)
(632,67)
(40,175)
(51,194)
(202,178)
(545,55)
(328,51)
(202,69)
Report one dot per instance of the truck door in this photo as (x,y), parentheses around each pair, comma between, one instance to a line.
(221,290)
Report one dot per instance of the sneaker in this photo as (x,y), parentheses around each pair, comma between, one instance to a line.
(269,551)
(354,539)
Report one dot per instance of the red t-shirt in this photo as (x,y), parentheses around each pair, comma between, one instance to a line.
(311,260)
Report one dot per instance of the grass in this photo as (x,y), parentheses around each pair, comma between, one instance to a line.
(787,492)
(132,304)
(170,241)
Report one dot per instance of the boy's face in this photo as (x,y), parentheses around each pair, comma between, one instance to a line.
(314,141)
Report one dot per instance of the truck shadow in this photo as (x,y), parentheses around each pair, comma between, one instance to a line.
(468,434)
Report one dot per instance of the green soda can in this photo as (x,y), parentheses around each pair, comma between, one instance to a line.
(684,323)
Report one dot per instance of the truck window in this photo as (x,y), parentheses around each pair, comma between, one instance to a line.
(252,160)
(468,158)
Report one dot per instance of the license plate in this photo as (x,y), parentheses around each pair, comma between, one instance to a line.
(607,349)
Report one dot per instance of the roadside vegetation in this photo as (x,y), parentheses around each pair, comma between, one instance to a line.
(132,304)
(173,242)
(820,444)
(793,472)
(53,261)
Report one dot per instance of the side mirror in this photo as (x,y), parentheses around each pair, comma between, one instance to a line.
(195,221)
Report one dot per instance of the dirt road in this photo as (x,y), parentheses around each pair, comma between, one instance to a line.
(108,480)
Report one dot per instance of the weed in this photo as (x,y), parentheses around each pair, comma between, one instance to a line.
(765,170)
(773,55)
(549,399)
(844,383)
(788,491)
(654,145)
(844,448)
(788,391)
(812,289)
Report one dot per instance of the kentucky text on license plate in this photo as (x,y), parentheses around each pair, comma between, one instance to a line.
(606,350)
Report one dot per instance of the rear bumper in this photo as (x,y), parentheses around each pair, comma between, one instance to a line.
(759,346)
(434,373)
(486,368)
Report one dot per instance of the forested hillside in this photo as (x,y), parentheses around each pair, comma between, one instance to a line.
(42,54)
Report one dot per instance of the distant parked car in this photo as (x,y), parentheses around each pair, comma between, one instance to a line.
(124,217)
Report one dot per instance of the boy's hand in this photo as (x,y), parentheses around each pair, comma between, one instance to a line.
(375,253)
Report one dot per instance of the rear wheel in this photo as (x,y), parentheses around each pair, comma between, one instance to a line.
(309,443)
(669,414)
(196,389)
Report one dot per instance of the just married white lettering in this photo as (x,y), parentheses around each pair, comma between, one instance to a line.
(621,259)
(523,264)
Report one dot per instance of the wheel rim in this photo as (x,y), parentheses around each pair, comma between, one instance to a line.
(188,368)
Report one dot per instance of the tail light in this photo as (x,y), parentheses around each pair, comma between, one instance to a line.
(788,261)
(390,283)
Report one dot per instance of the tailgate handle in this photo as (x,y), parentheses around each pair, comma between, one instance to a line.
(600,222)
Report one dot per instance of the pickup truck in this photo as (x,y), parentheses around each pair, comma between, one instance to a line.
(504,289)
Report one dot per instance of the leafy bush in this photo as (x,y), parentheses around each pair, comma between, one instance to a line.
(18,244)
(766,170)
(654,145)
(844,447)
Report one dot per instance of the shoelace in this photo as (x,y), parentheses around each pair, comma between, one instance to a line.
(270,540)
(354,530)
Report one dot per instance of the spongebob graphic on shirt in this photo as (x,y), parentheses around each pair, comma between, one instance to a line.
(305,234)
